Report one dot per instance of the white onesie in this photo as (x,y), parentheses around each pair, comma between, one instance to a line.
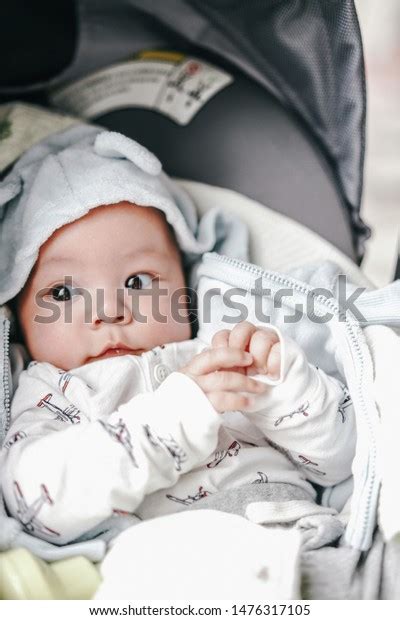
(132,435)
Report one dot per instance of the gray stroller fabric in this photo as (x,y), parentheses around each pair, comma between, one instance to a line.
(307,54)
(346,573)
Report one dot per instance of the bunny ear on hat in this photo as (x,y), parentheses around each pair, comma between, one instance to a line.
(114,144)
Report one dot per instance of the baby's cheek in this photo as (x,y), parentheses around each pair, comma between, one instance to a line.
(57,343)
(168,322)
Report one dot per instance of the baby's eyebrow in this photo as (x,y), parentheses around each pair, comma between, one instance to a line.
(131,253)
(140,252)
(61,259)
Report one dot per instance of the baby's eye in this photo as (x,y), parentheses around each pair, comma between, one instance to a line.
(138,281)
(61,292)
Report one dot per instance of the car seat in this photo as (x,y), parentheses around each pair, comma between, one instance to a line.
(288,128)
(283,137)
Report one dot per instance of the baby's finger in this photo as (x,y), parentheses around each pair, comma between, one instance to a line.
(221,338)
(260,346)
(219,358)
(229,401)
(241,334)
(227,381)
(274,361)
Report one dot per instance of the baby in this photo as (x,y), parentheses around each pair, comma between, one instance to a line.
(121,412)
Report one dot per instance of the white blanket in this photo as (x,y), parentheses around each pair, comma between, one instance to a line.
(204,554)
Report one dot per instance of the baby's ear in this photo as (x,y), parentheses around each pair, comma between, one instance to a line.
(114,144)
(9,189)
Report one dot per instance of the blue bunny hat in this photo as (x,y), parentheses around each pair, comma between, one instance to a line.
(62,178)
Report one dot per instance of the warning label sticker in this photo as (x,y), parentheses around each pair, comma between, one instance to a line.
(175,85)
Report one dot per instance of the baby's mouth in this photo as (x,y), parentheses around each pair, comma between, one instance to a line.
(115,352)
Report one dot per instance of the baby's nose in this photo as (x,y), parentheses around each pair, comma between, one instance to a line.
(110,308)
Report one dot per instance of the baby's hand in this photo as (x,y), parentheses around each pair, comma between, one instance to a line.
(215,370)
(262,343)
(223,371)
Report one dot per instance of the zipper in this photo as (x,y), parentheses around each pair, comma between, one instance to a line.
(364,508)
(6,371)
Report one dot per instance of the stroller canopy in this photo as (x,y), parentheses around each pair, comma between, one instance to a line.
(307,54)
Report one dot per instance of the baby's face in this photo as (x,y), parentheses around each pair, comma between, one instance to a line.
(114,255)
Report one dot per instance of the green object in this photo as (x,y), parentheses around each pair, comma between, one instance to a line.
(5,129)
(24,576)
